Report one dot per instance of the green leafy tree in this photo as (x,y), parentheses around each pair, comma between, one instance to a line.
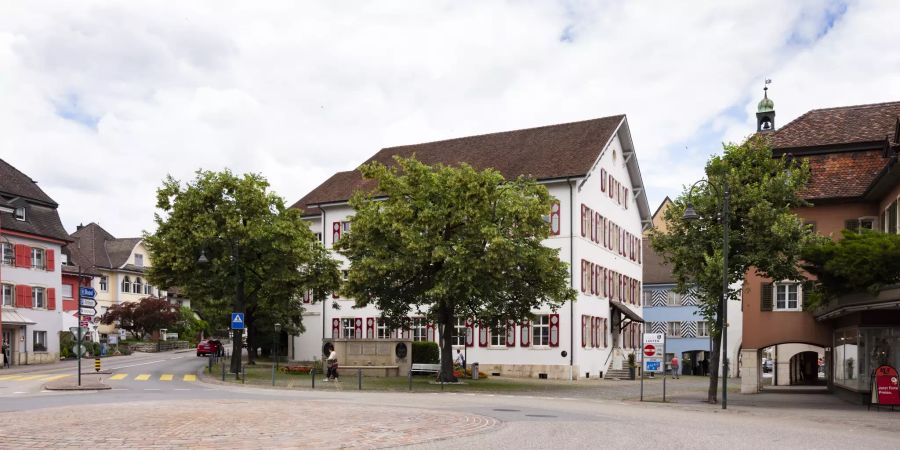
(143,317)
(764,234)
(450,242)
(189,325)
(258,256)
(860,262)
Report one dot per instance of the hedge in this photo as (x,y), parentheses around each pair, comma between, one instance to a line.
(424,352)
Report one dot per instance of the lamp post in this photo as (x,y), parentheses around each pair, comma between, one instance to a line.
(237,343)
(691,215)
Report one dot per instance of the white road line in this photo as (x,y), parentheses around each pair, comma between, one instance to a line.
(19,392)
(135,365)
(151,389)
(181,389)
(119,389)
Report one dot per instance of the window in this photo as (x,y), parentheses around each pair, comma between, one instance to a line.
(104,283)
(37,258)
(126,284)
(418,328)
(382,329)
(318,237)
(20,213)
(673,299)
(867,223)
(702,329)
(498,336)
(540,331)
(64,258)
(7,293)
(348,328)
(892,218)
(648,298)
(40,341)
(673,329)
(148,289)
(38,298)
(139,260)
(9,255)
(137,286)
(787,297)
(345,226)
(67,291)
(459,332)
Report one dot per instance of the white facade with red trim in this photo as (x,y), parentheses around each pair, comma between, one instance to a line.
(575,341)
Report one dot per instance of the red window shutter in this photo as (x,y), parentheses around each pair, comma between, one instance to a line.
(584,284)
(611,187)
(525,334)
(29,301)
(482,335)
(554,330)
(583,331)
(51,299)
(370,328)
(602,180)
(357,326)
(470,333)
(593,220)
(429,332)
(555,224)
(23,256)
(640,249)
(510,333)
(584,224)
(20,296)
(335,328)
(50,258)
(605,329)
(605,235)
(625,198)
(598,224)
(335,232)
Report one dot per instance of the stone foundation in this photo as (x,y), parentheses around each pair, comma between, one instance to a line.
(553,372)
(750,371)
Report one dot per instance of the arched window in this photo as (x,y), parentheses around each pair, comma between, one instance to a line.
(126,284)
(138,286)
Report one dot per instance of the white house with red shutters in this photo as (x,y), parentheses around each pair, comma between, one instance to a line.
(596,222)
(31,236)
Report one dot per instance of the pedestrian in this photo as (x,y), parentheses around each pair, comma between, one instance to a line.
(460,359)
(675,367)
(332,366)
(5,355)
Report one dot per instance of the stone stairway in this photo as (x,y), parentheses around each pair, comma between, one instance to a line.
(616,374)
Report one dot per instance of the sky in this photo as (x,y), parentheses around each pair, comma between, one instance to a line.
(100,100)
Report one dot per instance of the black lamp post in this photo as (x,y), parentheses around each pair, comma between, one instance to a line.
(237,343)
(690,214)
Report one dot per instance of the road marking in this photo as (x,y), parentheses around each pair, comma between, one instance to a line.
(177,389)
(19,392)
(142,377)
(166,377)
(119,389)
(56,377)
(32,377)
(190,377)
(10,377)
(135,365)
(151,389)
(119,376)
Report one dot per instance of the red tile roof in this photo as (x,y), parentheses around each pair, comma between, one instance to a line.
(548,152)
(843,125)
(843,175)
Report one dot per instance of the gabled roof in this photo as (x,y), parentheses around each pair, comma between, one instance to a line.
(95,247)
(18,190)
(543,153)
(14,183)
(655,270)
(841,125)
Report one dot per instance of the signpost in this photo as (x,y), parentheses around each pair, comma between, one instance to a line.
(237,321)
(90,312)
(653,362)
(88,303)
(85,298)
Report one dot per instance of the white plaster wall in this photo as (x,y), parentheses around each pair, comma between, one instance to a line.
(783,359)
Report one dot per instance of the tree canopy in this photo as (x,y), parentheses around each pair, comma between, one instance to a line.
(260,255)
(446,242)
(142,318)
(764,234)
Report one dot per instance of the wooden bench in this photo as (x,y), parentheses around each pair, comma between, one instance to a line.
(388,370)
(426,368)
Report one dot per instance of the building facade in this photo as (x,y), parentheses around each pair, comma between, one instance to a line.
(852,152)
(31,239)
(600,210)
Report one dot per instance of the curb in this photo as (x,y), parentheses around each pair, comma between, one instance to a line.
(75,387)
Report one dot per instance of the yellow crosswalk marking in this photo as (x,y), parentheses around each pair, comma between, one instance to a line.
(55,377)
(166,377)
(32,377)
(190,377)
(142,377)
(119,376)
(10,377)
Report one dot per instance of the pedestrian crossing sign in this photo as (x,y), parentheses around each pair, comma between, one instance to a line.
(237,321)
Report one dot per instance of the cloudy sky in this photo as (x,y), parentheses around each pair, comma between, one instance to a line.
(100,100)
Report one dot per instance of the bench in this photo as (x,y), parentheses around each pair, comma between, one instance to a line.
(426,368)
(388,370)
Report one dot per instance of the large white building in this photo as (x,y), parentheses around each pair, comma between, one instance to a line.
(31,236)
(590,168)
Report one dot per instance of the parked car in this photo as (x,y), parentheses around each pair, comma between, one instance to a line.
(210,347)
(767,365)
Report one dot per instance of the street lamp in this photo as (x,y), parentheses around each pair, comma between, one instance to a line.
(237,344)
(275,351)
(690,215)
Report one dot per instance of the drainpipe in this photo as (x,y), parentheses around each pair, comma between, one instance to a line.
(571,279)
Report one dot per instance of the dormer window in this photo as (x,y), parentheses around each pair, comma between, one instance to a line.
(139,260)
(20,213)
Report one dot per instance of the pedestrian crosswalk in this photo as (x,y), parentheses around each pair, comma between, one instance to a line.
(189,377)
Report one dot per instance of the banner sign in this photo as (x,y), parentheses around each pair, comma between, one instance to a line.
(886,390)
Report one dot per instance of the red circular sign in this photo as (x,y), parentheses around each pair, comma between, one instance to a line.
(649,350)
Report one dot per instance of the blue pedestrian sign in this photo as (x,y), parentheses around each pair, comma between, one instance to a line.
(87,292)
(237,321)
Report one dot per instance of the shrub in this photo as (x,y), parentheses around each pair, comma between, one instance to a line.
(66,342)
(424,352)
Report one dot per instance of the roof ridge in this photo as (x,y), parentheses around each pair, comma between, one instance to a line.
(860,106)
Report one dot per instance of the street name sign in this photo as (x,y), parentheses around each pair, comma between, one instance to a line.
(649,350)
(237,321)
(655,338)
(88,302)
(87,292)
(652,365)
(87,311)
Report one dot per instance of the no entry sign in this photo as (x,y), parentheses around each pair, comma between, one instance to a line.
(649,350)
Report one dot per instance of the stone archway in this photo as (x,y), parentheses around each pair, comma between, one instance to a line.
(803,368)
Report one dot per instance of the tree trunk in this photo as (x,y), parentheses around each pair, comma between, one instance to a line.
(236,350)
(448,323)
(715,356)
(252,338)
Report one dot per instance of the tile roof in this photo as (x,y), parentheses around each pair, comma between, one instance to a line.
(548,152)
(655,270)
(843,175)
(842,125)
(95,247)
(14,183)
(41,217)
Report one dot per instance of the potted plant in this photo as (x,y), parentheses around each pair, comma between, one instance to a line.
(632,367)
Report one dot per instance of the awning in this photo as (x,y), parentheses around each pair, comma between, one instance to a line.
(633,316)
(13,317)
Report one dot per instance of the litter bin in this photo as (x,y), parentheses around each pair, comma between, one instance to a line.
(475,371)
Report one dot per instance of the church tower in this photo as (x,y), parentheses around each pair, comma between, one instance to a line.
(765,112)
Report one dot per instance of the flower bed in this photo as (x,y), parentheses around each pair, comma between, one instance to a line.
(296,369)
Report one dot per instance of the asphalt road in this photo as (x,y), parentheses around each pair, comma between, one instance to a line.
(151,401)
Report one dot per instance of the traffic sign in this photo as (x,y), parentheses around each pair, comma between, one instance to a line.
(655,338)
(653,365)
(649,350)
(87,311)
(87,292)
(74,330)
(77,347)
(89,302)
(237,321)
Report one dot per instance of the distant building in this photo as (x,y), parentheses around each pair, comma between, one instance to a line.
(31,239)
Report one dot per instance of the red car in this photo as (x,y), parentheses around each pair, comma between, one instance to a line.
(210,347)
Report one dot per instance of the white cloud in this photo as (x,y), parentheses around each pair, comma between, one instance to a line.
(102,99)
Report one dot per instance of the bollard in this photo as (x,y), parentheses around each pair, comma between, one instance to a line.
(243,374)
(410,379)
(359,378)
(313,373)
(223,371)
(97,364)
(210,363)
(273,374)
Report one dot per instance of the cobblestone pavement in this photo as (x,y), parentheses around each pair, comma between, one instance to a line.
(234,424)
